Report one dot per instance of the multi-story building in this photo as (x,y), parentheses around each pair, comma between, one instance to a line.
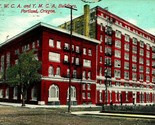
(125,57)
(53,50)
(118,67)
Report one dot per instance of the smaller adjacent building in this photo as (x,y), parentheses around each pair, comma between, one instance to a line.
(58,55)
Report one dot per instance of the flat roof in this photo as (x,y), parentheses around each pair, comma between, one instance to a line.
(41,24)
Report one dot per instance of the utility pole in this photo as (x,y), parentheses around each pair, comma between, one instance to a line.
(70,60)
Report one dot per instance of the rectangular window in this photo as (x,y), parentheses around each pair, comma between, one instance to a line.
(148,62)
(66,46)
(84,51)
(89,96)
(141,60)
(77,62)
(134,76)
(51,42)
(118,34)
(66,58)
(141,69)
(118,44)
(134,58)
(108,40)
(148,46)
(147,54)
(58,44)
(74,73)
(108,51)
(55,57)
(77,49)
(88,87)
(141,77)
(126,65)
(142,52)
(117,53)
(84,75)
(134,41)
(147,70)
(100,71)
(117,63)
(84,95)
(89,75)
(86,63)
(107,61)
(126,56)
(117,73)
(127,38)
(89,52)
(134,67)
(134,49)
(142,44)
(101,48)
(126,75)
(84,86)
(126,46)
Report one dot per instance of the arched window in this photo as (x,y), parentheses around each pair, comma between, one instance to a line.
(53,93)
(7,93)
(34,93)
(51,71)
(15,92)
(73,93)
(58,71)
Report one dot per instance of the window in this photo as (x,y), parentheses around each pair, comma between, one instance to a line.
(77,49)
(34,93)
(126,65)
(68,73)
(117,73)
(84,51)
(88,87)
(74,73)
(126,95)
(15,92)
(86,63)
(141,60)
(107,61)
(126,56)
(84,95)
(101,26)
(147,54)
(118,53)
(51,42)
(134,76)
(108,51)
(141,77)
(38,43)
(148,62)
(141,68)
(147,78)
(142,52)
(108,40)
(107,72)
(126,75)
(153,71)
(77,61)
(73,93)
(134,41)
(118,44)
(1,93)
(66,59)
(148,70)
(89,95)
(117,63)
(100,96)
(84,75)
(134,67)
(153,48)
(108,30)
(84,86)
(51,71)
(127,38)
(53,93)
(17,52)
(134,58)
(118,34)
(54,57)
(142,44)
(58,44)
(89,75)
(126,46)
(66,46)
(58,71)
(89,52)
(7,93)
(134,49)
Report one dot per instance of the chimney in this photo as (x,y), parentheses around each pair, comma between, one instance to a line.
(86,20)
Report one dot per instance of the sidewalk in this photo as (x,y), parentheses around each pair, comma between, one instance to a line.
(98,113)
(94,113)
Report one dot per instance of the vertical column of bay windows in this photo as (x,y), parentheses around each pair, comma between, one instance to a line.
(152,63)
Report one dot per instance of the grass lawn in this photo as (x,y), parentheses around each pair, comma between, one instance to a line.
(41,116)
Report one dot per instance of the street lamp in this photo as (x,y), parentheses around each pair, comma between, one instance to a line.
(70,60)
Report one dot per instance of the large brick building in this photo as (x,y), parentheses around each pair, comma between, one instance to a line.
(125,57)
(118,67)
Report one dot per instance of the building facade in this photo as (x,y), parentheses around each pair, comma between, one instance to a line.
(125,58)
(118,67)
(53,50)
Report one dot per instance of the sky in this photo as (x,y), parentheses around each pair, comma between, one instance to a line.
(16,16)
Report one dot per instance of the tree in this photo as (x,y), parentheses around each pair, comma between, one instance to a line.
(24,73)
